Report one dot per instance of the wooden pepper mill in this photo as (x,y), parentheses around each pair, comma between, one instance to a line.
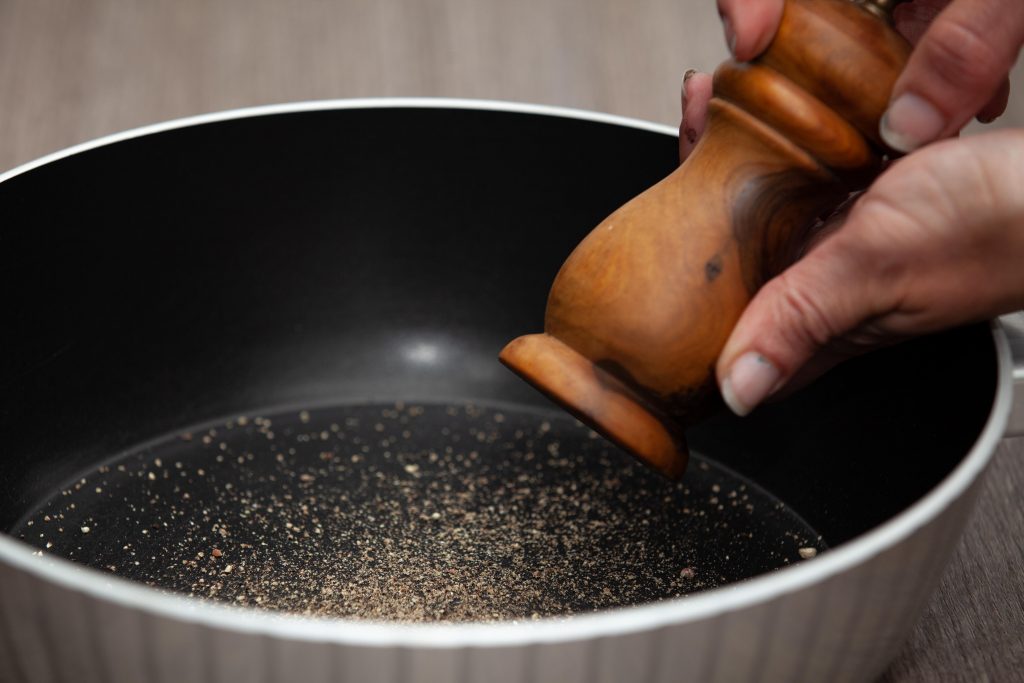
(641,310)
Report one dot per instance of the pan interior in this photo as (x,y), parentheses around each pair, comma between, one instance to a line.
(414,512)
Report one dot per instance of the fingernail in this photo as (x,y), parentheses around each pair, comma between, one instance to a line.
(910,122)
(750,380)
(730,34)
(686,79)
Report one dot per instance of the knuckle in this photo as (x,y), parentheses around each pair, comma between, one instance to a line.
(869,335)
(959,55)
(799,317)
(886,214)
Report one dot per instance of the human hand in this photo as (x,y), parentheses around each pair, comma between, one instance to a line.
(964,50)
(937,241)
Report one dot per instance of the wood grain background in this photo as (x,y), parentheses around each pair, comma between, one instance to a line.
(72,70)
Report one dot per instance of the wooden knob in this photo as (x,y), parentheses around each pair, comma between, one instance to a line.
(640,311)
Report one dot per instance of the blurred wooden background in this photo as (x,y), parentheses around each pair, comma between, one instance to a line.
(72,70)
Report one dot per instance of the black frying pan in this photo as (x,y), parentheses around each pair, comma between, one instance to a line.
(360,269)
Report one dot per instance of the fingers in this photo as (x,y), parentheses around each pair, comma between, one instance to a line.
(997,105)
(785,325)
(932,244)
(696,94)
(798,316)
(749,25)
(957,70)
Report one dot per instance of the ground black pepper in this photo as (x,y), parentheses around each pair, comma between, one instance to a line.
(414,513)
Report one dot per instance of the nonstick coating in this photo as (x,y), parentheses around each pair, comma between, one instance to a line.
(371,255)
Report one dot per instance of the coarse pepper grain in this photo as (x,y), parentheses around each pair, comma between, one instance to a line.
(418,512)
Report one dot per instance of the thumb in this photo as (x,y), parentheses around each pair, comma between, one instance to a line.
(957,69)
(802,315)
(749,25)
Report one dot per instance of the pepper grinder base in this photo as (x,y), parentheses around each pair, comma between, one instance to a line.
(599,399)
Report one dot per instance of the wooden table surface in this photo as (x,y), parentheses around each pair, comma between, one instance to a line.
(72,70)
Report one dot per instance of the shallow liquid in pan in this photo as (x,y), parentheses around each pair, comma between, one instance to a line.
(414,512)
